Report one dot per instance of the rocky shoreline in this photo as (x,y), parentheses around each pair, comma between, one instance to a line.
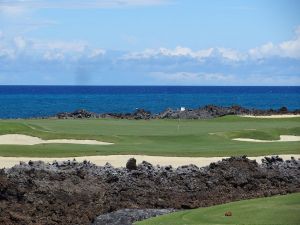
(82,193)
(206,112)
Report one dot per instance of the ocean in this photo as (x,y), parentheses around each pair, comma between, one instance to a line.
(38,101)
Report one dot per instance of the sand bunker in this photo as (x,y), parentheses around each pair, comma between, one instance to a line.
(20,139)
(283,138)
(272,116)
(120,160)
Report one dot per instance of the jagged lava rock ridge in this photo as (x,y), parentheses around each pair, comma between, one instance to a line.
(76,193)
(206,112)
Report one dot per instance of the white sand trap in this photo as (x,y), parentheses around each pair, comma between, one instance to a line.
(20,139)
(283,138)
(272,116)
(120,160)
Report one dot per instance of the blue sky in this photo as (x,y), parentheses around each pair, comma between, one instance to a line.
(150,42)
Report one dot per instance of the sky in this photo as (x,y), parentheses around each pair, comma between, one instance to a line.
(150,42)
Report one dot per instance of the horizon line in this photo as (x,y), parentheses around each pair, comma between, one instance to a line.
(136,85)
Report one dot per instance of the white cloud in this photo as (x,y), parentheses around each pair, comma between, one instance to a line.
(263,51)
(286,49)
(179,51)
(73,50)
(218,66)
(59,50)
(192,77)
(47,50)
(62,46)
(7,53)
(289,49)
(231,55)
(96,52)
(52,56)
(20,42)
(202,78)
(186,52)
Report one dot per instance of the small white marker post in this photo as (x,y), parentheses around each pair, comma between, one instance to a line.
(182,109)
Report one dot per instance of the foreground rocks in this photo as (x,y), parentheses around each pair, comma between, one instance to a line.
(77,193)
(128,216)
(206,112)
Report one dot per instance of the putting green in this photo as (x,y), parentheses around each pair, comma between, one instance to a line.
(278,210)
(154,137)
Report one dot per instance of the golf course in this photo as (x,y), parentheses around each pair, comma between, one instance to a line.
(279,210)
(170,140)
(193,138)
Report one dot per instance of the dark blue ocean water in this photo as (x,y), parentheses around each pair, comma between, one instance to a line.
(35,101)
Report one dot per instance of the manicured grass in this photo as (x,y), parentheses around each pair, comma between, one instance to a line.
(278,210)
(154,137)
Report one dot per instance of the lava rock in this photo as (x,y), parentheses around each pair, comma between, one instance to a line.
(74,193)
(129,216)
(205,112)
(131,164)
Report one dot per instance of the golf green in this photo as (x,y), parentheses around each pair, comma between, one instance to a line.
(154,137)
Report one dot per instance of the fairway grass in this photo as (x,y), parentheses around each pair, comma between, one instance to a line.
(277,210)
(201,138)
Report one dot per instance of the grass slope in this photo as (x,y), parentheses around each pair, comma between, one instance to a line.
(278,210)
(155,137)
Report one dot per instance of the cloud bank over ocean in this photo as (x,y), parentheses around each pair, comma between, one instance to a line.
(76,61)
(33,51)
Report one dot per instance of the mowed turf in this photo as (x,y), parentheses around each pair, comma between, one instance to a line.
(278,210)
(154,137)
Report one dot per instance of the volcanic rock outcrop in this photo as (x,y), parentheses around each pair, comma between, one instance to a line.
(206,112)
(128,216)
(131,164)
(78,114)
(77,193)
